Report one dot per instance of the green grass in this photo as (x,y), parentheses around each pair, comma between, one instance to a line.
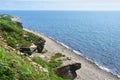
(57,55)
(13,33)
(16,67)
(13,66)
(51,65)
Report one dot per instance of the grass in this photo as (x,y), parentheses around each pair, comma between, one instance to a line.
(57,55)
(51,65)
(16,67)
(13,66)
(13,33)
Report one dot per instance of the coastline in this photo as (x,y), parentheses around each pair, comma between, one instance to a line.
(89,70)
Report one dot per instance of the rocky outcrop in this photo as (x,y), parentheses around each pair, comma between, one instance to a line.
(28,51)
(68,71)
(19,24)
(40,45)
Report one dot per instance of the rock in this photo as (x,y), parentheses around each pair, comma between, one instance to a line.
(25,36)
(19,24)
(68,71)
(15,19)
(68,58)
(40,45)
(33,45)
(44,50)
(29,51)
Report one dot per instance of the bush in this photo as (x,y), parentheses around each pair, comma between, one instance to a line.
(57,55)
(54,64)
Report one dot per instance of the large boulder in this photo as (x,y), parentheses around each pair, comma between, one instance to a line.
(40,45)
(68,71)
(26,50)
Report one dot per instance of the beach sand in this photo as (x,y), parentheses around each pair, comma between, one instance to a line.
(88,71)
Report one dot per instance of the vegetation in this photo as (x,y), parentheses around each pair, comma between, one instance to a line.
(51,65)
(57,55)
(13,66)
(17,67)
(14,34)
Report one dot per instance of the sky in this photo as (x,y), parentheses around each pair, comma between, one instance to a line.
(60,5)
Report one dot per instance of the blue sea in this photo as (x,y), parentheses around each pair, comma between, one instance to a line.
(94,34)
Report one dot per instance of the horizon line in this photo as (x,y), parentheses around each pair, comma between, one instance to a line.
(53,10)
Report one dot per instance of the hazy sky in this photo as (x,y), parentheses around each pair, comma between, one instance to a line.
(59,4)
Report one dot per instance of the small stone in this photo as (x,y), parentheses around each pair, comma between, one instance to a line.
(45,70)
(68,58)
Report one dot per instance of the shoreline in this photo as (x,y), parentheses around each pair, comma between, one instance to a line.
(89,70)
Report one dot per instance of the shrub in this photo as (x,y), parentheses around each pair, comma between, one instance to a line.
(57,55)
(54,64)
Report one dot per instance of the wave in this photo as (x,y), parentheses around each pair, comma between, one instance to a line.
(102,67)
(107,69)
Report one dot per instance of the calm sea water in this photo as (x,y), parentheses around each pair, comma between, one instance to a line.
(95,34)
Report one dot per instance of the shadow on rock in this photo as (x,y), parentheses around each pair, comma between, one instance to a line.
(68,71)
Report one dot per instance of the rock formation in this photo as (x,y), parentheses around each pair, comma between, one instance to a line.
(26,50)
(40,45)
(68,71)
(37,46)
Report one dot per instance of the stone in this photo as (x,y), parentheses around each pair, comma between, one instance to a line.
(28,51)
(68,58)
(68,71)
(40,45)
(33,45)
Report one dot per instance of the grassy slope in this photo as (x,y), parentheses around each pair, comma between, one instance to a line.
(14,33)
(14,66)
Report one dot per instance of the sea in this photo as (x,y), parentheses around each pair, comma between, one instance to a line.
(94,35)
